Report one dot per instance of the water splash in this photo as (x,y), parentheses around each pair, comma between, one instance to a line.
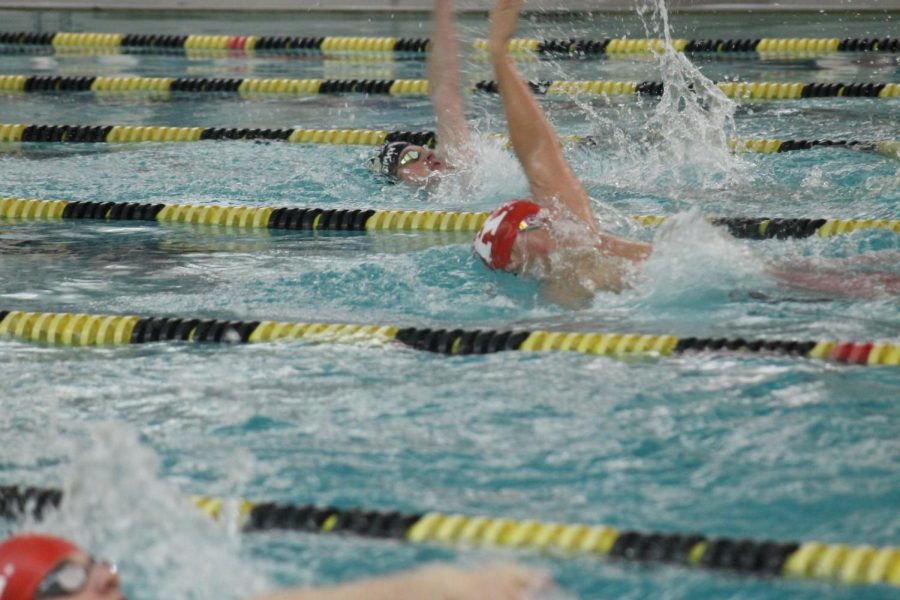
(492,175)
(117,506)
(678,149)
(694,264)
(689,127)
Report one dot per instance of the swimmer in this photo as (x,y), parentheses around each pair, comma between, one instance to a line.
(554,236)
(520,235)
(41,567)
(531,236)
(418,165)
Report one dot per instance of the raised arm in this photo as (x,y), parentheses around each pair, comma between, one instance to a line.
(533,138)
(443,82)
(435,582)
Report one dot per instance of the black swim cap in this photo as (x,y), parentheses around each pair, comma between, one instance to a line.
(389,158)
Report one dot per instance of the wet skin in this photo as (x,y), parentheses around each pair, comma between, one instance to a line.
(420,170)
(531,245)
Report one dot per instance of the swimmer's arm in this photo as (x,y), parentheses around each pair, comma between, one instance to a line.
(533,138)
(386,588)
(435,582)
(574,287)
(618,246)
(443,82)
(836,280)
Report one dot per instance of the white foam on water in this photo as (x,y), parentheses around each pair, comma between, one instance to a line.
(492,175)
(694,262)
(117,506)
(118,60)
(44,63)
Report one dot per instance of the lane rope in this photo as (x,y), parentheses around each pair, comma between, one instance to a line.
(239,43)
(833,562)
(340,219)
(70,329)
(611,46)
(21,132)
(552,46)
(248,87)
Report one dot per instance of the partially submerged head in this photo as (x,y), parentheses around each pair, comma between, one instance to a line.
(407,162)
(512,235)
(40,567)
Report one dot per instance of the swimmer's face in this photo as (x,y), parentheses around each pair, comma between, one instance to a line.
(532,247)
(417,164)
(79,577)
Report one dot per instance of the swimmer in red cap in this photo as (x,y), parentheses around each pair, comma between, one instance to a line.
(39,567)
(418,165)
(554,236)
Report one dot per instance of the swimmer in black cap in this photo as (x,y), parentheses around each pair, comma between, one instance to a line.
(418,165)
(404,161)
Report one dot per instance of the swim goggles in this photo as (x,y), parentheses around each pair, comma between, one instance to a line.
(68,578)
(530,223)
(411,156)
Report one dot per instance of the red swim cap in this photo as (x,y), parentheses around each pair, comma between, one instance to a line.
(495,241)
(25,560)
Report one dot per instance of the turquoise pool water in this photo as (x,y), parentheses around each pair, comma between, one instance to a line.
(755,446)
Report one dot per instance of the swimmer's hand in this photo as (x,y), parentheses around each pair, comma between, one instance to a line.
(434,582)
(504,19)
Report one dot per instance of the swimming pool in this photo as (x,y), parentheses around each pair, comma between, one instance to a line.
(745,446)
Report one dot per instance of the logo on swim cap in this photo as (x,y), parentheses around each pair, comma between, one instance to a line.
(494,242)
(25,560)
(388,158)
